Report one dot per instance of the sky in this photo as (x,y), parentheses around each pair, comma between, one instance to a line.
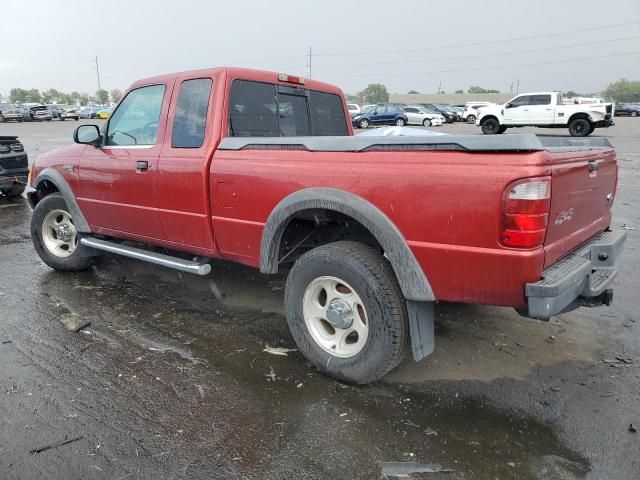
(406,45)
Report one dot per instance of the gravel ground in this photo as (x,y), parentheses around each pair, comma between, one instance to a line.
(171,381)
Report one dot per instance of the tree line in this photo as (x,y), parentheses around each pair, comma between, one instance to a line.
(621,91)
(102,96)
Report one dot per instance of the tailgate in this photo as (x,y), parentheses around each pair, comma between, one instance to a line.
(583,184)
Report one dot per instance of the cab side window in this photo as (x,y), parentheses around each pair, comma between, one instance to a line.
(520,101)
(135,121)
(190,117)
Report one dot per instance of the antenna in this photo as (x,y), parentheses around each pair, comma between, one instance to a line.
(310,59)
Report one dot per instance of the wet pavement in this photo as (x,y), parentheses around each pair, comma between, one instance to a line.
(171,380)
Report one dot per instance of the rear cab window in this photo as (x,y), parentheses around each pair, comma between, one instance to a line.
(259,109)
(190,117)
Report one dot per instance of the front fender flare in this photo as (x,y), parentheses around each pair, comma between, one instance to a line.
(53,176)
(413,282)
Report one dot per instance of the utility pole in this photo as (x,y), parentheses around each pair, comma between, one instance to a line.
(518,87)
(98,73)
(439,87)
(309,64)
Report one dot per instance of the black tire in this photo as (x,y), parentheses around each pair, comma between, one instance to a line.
(580,127)
(634,114)
(426,122)
(76,118)
(471,119)
(400,122)
(363,123)
(490,126)
(15,191)
(73,262)
(371,276)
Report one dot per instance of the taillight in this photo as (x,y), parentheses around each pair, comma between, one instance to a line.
(525,212)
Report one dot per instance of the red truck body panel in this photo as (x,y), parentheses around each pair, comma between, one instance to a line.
(446,204)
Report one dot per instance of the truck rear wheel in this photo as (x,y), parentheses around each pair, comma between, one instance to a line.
(346,312)
(490,126)
(55,237)
(580,127)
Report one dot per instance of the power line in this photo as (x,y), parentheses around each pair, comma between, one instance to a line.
(570,60)
(473,44)
(466,57)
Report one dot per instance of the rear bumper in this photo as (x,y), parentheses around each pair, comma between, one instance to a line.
(583,278)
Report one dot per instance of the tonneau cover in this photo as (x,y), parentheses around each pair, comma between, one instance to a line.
(527,142)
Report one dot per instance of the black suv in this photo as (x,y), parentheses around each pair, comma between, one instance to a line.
(627,109)
(14,167)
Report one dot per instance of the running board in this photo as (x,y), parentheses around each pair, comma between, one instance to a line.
(147,256)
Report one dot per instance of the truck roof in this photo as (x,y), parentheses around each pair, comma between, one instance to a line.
(548,92)
(245,73)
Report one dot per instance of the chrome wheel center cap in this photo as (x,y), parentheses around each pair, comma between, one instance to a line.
(64,232)
(339,314)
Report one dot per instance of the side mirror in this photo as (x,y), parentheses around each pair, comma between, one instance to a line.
(87,135)
(508,105)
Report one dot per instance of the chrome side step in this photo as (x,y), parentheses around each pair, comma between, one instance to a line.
(188,266)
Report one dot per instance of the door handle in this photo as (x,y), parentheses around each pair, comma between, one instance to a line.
(142,165)
(594,166)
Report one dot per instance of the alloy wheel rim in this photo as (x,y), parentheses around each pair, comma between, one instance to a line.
(335,316)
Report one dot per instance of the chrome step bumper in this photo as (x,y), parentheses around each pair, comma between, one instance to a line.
(176,263)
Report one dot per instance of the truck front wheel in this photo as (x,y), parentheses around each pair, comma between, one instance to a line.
(580,127)
(490,126)
(346,312)
(55,237)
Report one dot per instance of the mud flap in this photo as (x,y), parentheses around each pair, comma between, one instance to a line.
(421,328)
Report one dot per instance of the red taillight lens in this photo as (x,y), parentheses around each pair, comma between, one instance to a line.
(525,212)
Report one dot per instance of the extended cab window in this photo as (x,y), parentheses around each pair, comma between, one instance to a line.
(267,110)
(190,118)
(135,121)
(540,100)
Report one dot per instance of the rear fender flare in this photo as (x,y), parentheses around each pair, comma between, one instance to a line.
(54,177)
(413,282)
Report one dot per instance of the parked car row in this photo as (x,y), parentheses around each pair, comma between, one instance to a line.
(45,113)
(428,114)
(396,114)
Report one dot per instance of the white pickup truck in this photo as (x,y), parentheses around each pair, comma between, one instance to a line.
(544,109)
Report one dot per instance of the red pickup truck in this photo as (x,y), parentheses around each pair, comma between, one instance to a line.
(263,169)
